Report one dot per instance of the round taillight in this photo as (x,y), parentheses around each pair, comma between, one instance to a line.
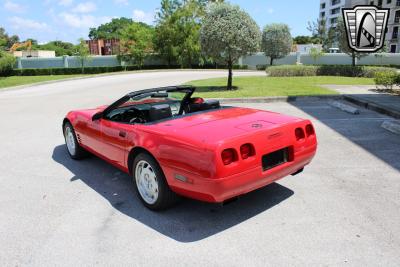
(309,130)
(228,156)
(246,151)
(299,134)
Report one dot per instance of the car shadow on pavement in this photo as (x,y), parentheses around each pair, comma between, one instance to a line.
(189,220)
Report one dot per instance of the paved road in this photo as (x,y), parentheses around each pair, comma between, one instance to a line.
(343,210)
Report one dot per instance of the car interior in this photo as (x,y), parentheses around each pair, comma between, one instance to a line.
(159,107)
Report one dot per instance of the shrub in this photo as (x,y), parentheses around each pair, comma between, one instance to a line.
(397,80)
(261,67)
(327,70)
(385,79)
(7,63)
(370,71)
(291,70)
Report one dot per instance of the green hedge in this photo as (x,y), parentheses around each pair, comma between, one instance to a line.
(326,70)
(387,80)
(292,70)
(7,62)
(98,70)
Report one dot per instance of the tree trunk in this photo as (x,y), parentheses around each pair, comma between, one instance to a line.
(229,86)
(353,57)
(271,61)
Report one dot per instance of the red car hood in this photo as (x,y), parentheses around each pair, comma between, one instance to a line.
(224,124)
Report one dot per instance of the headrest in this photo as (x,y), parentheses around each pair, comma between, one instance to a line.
(160,112)
(206,105)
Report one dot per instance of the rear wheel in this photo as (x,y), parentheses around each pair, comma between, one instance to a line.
(150,183)
(73,147)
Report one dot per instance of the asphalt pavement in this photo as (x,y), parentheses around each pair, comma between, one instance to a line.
(343,210)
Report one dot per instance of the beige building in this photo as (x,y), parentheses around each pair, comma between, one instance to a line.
(35,53)
(330,10)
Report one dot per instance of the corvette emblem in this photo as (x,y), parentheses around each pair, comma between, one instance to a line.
(366,27)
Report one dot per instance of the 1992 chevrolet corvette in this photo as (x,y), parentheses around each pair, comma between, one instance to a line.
(172,143)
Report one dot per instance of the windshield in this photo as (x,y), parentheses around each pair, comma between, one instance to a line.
(156,105)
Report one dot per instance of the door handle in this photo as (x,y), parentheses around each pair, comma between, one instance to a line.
(122,134)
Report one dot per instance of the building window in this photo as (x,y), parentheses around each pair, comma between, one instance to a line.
(398,3)
(335,11)
(322,14)
(380,3)
(323,5)
(389,2)
(393,48)
(333,20)
(335,2)
(371,3)
(395,33)
(397,17)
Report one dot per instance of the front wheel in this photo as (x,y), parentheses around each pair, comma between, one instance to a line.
(150,183)
(73,147)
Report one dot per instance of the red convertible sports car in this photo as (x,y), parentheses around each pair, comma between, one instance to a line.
(174,144)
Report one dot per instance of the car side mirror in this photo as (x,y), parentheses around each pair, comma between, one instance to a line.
(97,116)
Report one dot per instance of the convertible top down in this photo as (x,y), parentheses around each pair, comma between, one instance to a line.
(172,143)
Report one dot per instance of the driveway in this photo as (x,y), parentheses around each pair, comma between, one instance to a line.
(342,210)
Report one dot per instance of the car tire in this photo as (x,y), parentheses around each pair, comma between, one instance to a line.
(150,183)
(74,149)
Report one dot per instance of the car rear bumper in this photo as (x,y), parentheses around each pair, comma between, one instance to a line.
(221,189)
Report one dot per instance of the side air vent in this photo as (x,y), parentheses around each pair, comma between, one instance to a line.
(78,137)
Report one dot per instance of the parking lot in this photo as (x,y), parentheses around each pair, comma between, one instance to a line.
(342,210)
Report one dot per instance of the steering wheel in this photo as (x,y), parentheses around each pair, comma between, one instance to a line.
(137,117)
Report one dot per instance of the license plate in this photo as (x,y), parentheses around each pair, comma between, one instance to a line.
(275,159)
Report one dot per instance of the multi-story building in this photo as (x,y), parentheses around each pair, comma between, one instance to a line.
(103,47)
(330,10)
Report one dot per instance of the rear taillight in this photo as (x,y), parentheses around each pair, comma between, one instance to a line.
(309,130)
(228,156)
(246,151)
(299,134)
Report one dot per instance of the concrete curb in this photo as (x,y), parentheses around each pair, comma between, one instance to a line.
(275,99)
(391,126)
(344,107)
(372,106)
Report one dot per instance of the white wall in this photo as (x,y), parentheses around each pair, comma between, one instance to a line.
(328,59)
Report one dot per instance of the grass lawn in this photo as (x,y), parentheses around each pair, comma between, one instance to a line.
(21,80)
(273,86)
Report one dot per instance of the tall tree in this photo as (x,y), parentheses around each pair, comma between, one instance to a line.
(344,44)
(178,31)
(227,33)
(165,38)
(276,41)
(110,30)
(188,34)
(7,41)
(82,53)
(321,33)
(136,42)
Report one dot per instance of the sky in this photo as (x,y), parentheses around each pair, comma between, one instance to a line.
(69,20)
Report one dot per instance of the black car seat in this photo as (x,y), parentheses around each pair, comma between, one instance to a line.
(160,112)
